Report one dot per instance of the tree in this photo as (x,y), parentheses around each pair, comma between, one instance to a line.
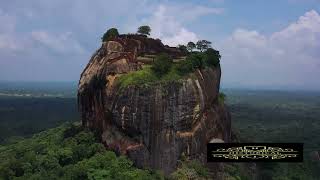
(203,45)
(191,46)
(183,48)
(196,60)
(212,57)
(162,64)
(111,33)
(184,67)
(145,30)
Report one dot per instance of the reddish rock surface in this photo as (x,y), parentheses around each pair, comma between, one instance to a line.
(153,126)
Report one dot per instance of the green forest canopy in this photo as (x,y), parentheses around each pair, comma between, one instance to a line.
(72,152)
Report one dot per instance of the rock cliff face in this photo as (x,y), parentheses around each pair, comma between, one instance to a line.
(153,126)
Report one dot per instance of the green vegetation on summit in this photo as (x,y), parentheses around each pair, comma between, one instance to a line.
(164,70)
(145,30)
(111,33)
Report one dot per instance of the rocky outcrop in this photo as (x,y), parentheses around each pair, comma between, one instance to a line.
(155,125)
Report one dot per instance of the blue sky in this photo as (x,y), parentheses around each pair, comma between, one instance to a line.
(264,44)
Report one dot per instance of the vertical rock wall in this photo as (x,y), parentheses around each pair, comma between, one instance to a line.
(153,126)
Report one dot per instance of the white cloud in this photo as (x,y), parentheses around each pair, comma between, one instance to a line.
(7,42)
(301,37)
(35,43)
(61,43)
(250,39)
(7,39)
(182,37)
(167,22)
(190,12)
(289,57)
(249,57)
(12,41)
(166,27)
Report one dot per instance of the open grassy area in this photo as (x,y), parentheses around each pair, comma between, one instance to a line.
(146,77)
(164,70)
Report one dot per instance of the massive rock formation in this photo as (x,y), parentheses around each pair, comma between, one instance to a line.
(155,125)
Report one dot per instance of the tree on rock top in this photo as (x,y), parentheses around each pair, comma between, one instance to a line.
(212,57)
(145,30)
(203,45)
(162,64)
(191,46)
(111,33)
(183,48)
